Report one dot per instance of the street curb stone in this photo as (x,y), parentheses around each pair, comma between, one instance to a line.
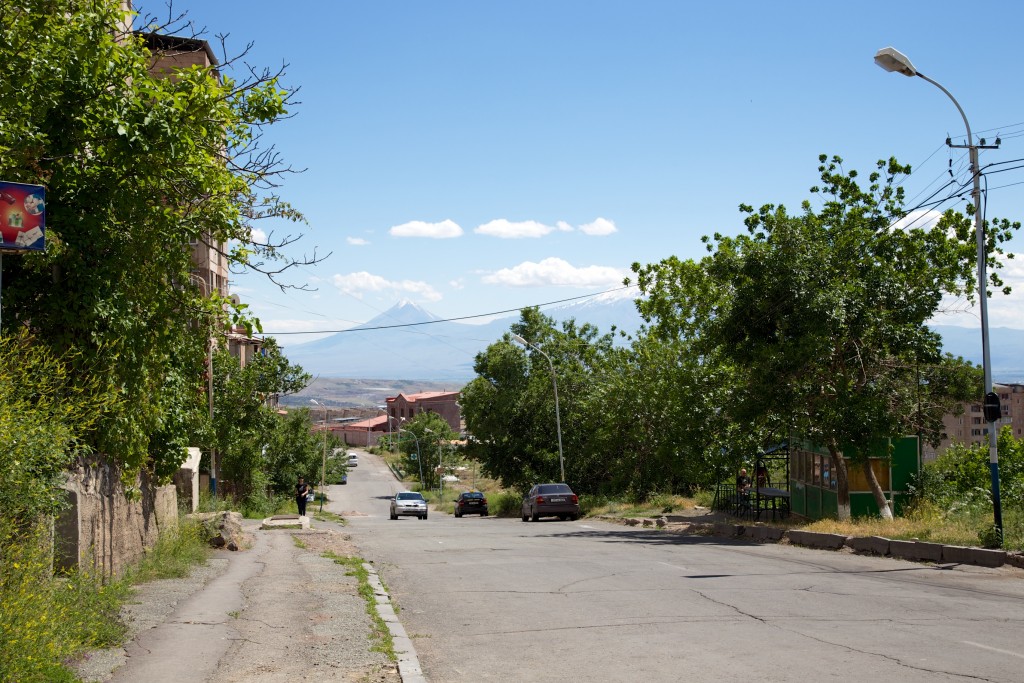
(877,545)
(814,539)
(408,663)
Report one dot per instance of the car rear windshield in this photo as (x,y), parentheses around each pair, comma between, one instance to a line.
(472,495)
(410,496)
(553,488)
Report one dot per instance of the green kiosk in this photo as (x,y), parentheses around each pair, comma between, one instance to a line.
(812,484)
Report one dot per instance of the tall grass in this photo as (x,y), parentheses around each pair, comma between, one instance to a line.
(46,620)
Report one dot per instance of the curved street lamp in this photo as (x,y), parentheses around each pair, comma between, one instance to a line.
(554,384)
(894,61)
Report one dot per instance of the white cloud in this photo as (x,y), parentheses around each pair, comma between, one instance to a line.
(457,284)
(1003,311)
(564,227)
(356,241)
(257,235)
(555,271)
(446,229)
(509,230)
(361,283)
(600,226)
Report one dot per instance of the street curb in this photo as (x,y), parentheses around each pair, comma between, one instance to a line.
(408,663)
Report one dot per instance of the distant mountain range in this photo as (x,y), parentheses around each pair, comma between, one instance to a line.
(444,351)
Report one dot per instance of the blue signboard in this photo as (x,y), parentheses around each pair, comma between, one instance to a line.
(22,217)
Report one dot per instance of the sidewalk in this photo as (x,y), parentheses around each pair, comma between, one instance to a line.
(274,612)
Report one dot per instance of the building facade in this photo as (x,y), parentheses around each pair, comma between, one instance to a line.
(444,403)
(970,427)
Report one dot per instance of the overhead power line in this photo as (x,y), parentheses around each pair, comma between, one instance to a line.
(448,320)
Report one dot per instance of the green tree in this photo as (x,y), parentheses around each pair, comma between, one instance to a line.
(823,315)
(510,407)
(293,449)
(43,415)
(244,425)
(433,435)
(136,168)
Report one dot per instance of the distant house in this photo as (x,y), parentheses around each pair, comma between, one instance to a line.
(362,433)
(444,403)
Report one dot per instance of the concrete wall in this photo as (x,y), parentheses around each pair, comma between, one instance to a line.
(102,530)
(186,480)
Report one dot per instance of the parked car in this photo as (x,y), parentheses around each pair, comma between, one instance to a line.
(408,503)
(353,459)
(471,503)
(551,500)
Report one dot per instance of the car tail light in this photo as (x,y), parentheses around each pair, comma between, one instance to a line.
(575,499)
(540,500)
(483,502)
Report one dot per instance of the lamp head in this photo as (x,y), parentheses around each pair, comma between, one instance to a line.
(891,59)
(519,339)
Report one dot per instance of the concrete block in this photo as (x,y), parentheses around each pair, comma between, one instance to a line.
(929,552)
(1015,560)
(814,539)
(877,545)
(988,558)
(956,553)
(916,551)
(723,529)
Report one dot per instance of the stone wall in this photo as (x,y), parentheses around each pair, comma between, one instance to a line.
(102,529)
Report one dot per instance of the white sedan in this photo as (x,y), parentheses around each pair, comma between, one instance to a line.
(408,503)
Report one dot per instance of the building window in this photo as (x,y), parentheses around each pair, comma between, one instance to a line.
(975,420)
(975,432)
(976,408)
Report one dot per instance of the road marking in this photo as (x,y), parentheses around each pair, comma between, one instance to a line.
(586,526)
(995,649)
(674,566)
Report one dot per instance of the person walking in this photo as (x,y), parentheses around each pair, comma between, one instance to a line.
(302,491)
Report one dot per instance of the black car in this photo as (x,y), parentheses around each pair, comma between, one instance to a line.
(551,500)
(471,503)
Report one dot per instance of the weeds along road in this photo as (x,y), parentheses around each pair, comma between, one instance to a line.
(503,600)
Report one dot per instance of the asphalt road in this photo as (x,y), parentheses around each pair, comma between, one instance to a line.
(503,600)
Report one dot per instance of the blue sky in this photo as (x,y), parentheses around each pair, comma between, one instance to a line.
(476,156)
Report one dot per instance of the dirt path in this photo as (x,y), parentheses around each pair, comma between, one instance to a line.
(275,612)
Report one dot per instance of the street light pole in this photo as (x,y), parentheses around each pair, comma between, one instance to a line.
(892,60)
(323,464)
(419,458)
(440,462)
(554,384)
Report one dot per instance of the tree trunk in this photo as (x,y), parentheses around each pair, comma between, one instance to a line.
(876,489)
(842,481)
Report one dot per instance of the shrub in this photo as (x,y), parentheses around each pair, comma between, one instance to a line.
(45,620)
(504,503)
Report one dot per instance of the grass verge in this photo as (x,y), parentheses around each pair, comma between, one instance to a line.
(380,634)
(969,527)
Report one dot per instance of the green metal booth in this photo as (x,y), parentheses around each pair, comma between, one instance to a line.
(812,483)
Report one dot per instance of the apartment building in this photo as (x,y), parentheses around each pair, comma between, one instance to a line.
(971,428)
